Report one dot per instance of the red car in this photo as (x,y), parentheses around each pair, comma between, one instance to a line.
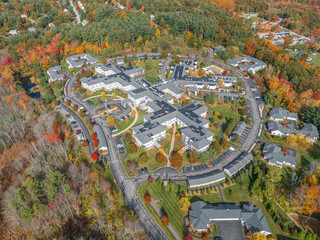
(79,130)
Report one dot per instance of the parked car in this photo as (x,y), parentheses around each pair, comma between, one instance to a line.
(192,168)
(184,169)
(78,130)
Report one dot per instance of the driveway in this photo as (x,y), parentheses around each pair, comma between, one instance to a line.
(230,230)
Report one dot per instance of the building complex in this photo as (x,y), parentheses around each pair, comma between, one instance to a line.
(202,214)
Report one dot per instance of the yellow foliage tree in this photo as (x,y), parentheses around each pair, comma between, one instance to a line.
(220,82)
(184,204)
(103,95)
(259,236)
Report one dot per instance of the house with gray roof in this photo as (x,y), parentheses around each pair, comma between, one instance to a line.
(238,164)
(247,64)
(279,114)
(172,90)
(78,60)
(274,155)
(308,130)
(239,129)
(101,138)
(55,74)
(202,214)
(206,179)
(106,69)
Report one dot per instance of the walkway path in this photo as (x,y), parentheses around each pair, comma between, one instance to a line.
(172,144)
(131,125)
(221,194)
(120,98)
(155,206)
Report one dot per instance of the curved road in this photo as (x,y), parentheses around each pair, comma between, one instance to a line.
(129,186)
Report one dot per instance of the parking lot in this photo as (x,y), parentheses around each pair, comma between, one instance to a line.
(119,144)
(230,230)
(74,124)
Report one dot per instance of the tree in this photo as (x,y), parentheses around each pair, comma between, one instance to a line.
(68,102)
(143,158)
(160,158)
(132,148)
(259,236)
(103,95)
(48,97)
(147,199)
(84,144)
(216,147)
(285,150)
(82,114)
(165,221)
(201,72)
(55,127)
(193,156)
(188,237)
(150,180)
(132,165)
(184,204)
(75,107)
(93,136)
(176,160)
(95,143)
(224,73)
(220,82)
(111,120)
(94,156)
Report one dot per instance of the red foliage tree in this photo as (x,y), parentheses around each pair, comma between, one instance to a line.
(160,158)
(94,156)
(95,143)
(78,84)
(150,180)
(68,102)
(94,136)
(77,7)
(165,221)
(247,75)
(224,73)
(285,150)
(188,237)
(147,199)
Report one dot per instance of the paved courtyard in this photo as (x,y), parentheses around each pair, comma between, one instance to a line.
(230,230)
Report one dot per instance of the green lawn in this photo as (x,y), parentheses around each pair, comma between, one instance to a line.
(168,203)
(124,124)
(151,164)
(226,112)
(141,113)
(315,59)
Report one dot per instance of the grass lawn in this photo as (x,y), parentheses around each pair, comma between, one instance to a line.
(151,164)
(124,124)
(241,194)
(168,203)
(315,59)
(225,111)
(141,113)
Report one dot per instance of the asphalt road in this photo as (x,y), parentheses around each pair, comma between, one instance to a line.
(82,125)
(129,186)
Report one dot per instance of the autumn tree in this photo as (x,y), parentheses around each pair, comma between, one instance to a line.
(95,143)
(165,221)
(143,158)
(184,204)
(147,199)
(176,160)
(75,107)
(132,165)
(285,150)
(111,120)
(94,156)
(188,237)
(132,148)
(68,102)
(94,136)
(193,156)
(55,127)
(160,158)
